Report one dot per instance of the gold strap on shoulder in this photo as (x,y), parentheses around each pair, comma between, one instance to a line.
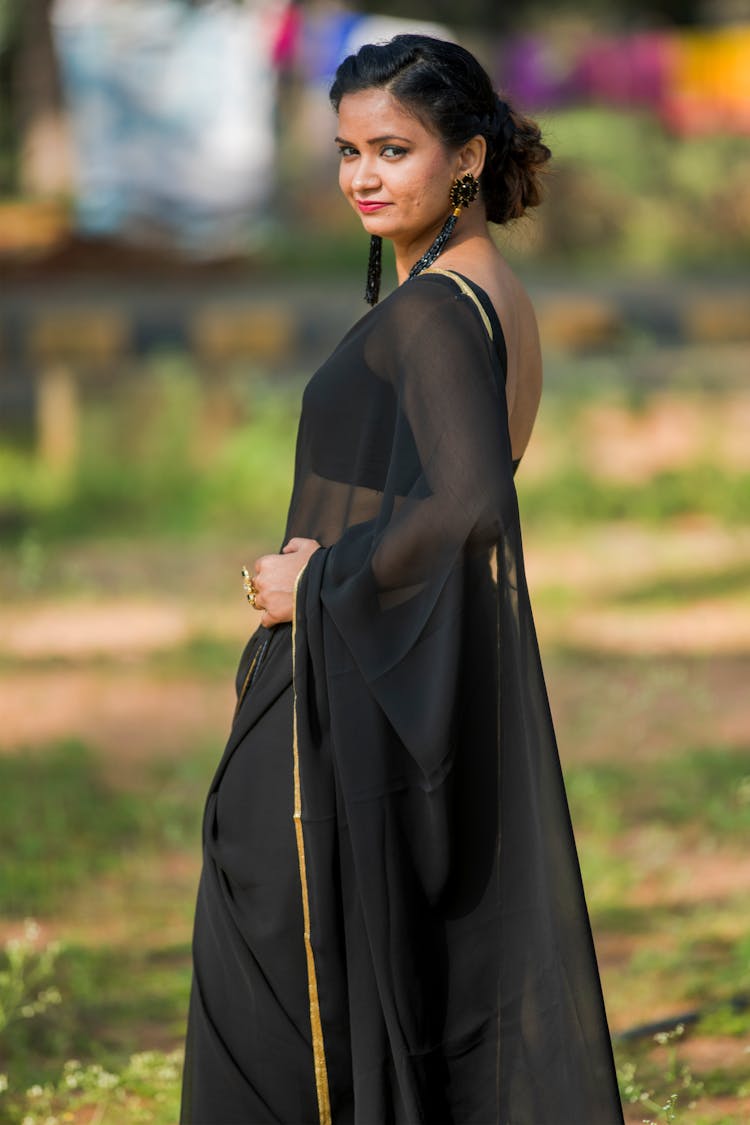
(467,290)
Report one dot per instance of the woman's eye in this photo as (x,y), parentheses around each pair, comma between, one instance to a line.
(347,150)
(392,150)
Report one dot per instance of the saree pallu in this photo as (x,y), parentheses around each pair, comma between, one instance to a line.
(437,965)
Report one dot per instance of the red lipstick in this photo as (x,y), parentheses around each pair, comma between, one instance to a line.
(367,206)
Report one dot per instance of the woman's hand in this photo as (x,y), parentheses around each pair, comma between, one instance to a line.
(274,577)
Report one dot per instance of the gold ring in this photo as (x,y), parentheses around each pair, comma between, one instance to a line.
(251,590)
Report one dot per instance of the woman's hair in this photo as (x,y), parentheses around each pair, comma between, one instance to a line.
(447,89)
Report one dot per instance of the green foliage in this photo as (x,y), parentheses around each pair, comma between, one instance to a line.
(146,464)
(28,485)
(622,192)
(55,1001)
(727,1019)
(25,989)
(705,788)
(39,1024)
(661,1093)
(708,788)
(60,823)
(98,1013)
(250,479)
(63,823)
(145,1091)
(704,964)
(576,496)
(676,589)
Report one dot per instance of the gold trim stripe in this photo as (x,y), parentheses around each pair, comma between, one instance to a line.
(467,290)
(316,1026)
(246,683)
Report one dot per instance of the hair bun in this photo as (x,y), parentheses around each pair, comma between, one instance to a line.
(516,155)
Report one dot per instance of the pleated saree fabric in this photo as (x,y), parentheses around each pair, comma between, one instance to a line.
(438,947)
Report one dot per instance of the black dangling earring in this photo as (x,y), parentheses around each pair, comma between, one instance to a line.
(462,193)
(374,265)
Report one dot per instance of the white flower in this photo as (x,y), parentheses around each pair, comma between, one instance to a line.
(31,930)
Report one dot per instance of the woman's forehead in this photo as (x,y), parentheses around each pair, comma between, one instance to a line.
(377,113)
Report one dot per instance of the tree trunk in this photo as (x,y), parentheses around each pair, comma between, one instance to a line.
(45,152)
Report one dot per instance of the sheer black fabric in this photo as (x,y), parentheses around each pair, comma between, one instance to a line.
(451,974)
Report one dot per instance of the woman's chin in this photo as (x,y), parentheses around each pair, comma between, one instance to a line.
(378,223)
(373,227)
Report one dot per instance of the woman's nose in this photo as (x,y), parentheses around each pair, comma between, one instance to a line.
(366,177)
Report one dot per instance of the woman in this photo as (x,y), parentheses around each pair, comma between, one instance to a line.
(390,923)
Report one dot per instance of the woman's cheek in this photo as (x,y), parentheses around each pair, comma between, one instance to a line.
(345,181)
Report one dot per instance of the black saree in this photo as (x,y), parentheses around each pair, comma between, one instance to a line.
(440,924)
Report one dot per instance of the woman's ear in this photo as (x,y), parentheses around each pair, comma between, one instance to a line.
(472,156)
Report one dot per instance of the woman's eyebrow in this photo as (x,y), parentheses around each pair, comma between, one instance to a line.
(374,140)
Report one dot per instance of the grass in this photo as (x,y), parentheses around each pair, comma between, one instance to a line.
(702,963)
(64,1003)
(81,846)
(678,589)
(575,497)
(100,1013)
(61,825)
(65,825)
(706,788)
(88,851)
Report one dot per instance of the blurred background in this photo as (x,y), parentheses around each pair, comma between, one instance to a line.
(174,263)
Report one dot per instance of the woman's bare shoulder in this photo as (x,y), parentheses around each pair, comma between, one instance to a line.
(517,317)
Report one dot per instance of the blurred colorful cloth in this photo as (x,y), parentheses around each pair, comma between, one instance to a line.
(696,81)
(172,111)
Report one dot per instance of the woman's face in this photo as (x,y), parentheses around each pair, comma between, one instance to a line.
(395,173)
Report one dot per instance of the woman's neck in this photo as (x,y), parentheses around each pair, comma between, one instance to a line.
(470,233)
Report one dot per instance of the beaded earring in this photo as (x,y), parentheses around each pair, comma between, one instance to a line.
(463,192)
(374,266)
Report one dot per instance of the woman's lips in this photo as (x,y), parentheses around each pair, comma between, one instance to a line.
(367,206)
